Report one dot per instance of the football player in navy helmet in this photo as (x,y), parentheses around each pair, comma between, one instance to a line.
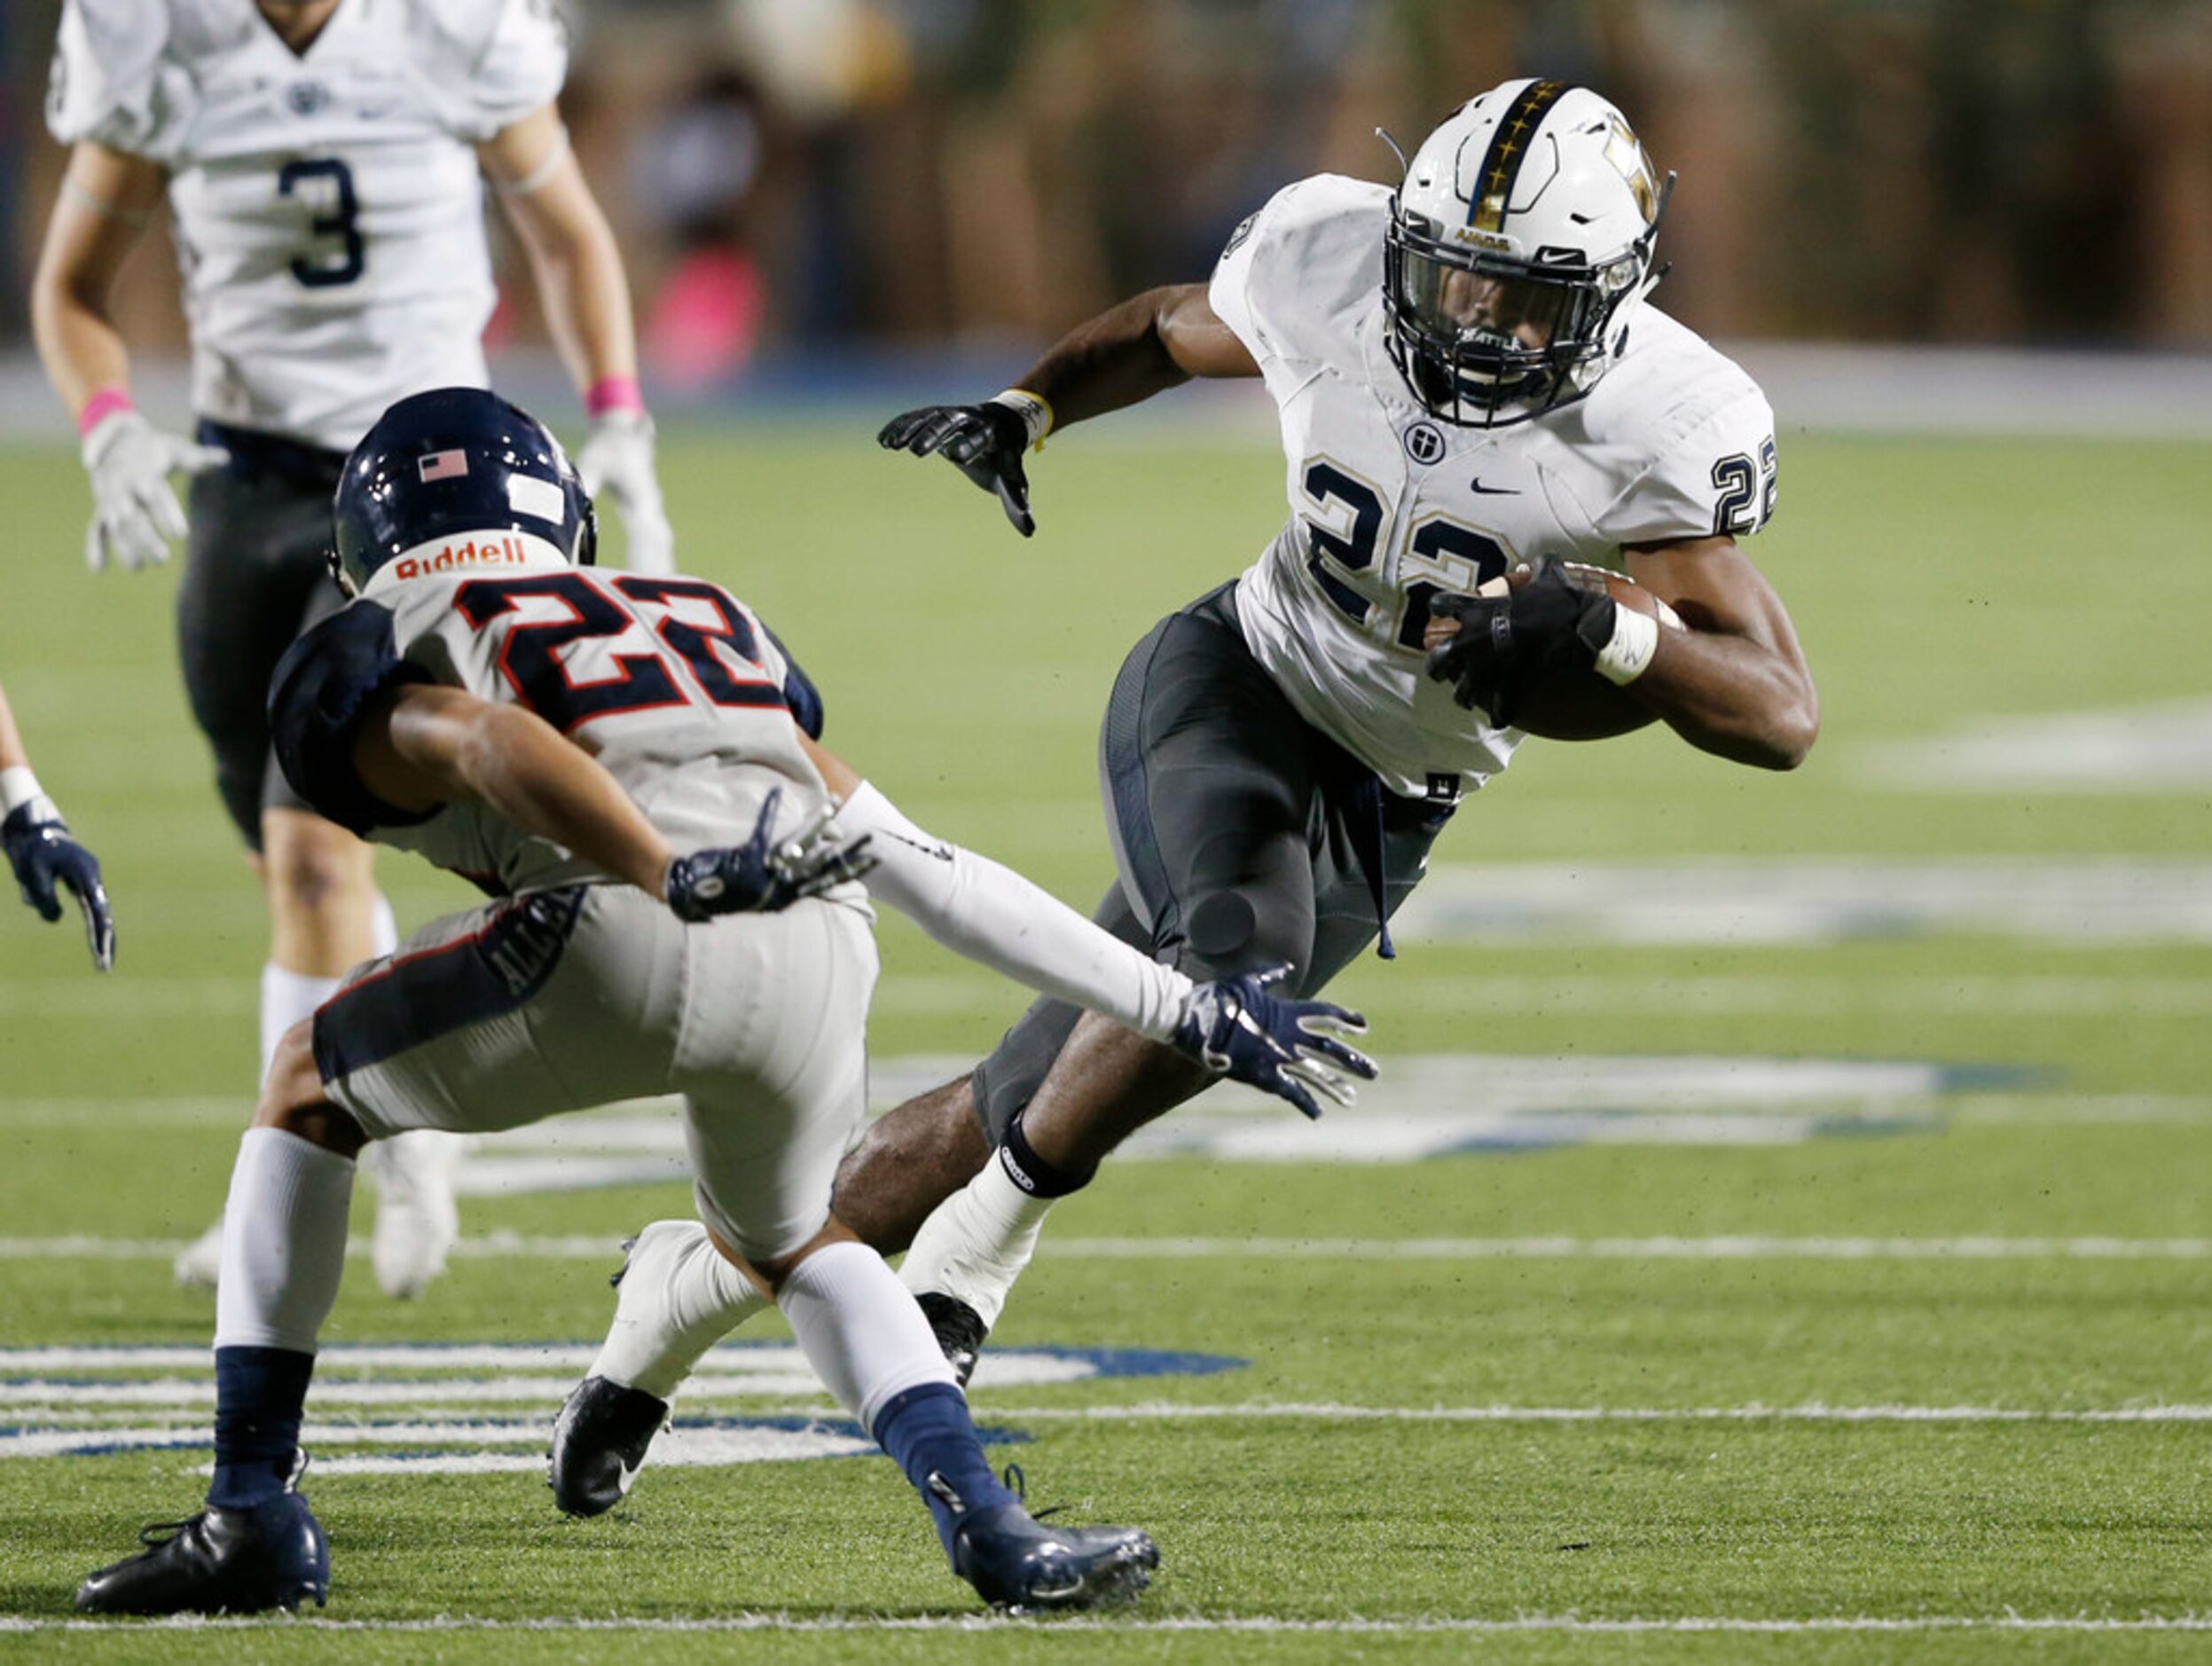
(631,765)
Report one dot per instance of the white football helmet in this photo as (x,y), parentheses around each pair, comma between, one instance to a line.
(1519,244)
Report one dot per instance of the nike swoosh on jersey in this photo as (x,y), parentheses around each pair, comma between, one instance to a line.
(1493,491)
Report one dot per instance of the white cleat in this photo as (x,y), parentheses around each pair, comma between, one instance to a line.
(417,1219)
(201,1264)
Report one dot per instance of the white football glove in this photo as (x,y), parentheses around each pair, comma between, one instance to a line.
(617,456)
(135,512)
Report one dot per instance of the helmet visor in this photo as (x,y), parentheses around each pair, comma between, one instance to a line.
(1468,307)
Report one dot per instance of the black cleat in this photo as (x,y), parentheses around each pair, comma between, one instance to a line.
(598,1444)
(219,1561)
(1022,1566)
(960,1331)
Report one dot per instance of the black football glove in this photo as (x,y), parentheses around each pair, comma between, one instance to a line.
(984,442)
(1505,642)
(43,856)
(1280,1043)
(760,877)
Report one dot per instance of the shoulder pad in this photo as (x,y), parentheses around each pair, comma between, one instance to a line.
(799,692)
(322,686)
(495,60)
(103,84)
(1296,277)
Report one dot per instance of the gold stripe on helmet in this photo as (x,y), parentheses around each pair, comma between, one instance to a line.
(1509,148)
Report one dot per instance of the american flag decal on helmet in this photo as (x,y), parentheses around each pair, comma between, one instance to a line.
(443,465)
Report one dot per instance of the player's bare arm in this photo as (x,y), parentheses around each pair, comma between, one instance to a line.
(1151,343)
(577,266)
(421,747)
(1732,679)
(427,746)
(1735,683)
(571,249)
(107,200)
(1147,344)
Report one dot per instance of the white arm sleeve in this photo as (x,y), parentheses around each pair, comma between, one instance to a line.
(989,914)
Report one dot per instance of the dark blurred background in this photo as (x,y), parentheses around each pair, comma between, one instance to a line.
(830,179)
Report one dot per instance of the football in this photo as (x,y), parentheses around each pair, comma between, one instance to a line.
(1575,703)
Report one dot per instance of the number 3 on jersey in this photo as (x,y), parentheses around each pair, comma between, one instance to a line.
(682,657)
(330,267)
(1337,553)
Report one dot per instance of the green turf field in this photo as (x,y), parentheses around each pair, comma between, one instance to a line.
(1854,1367)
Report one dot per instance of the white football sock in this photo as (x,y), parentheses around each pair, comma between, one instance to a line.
(284,1242)
(859,1329)
(677,1298)
(383,926)
(417,1220)
(286,997)
(975,1244)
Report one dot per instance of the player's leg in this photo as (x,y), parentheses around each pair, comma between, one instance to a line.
(256,1544)
(775,1080)
(254,576)
(323,898)
(1213,789)
(489,1019)
(770,1110)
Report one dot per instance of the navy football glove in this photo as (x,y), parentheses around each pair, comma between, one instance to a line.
(1285,1045)
(1506,641)
(43,856)
(984,442)
(760,877)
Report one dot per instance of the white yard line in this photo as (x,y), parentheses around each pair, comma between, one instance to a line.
(1259,1623)
(1330,1413)
(464,1430)
(1727,1247)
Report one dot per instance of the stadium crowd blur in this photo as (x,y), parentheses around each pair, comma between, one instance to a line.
(824,177)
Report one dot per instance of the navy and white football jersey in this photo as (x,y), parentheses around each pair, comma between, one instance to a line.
(1390,507)
(329,213)
(672,684)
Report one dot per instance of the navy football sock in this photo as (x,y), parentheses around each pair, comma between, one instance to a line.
(929,1434)
(260,1395)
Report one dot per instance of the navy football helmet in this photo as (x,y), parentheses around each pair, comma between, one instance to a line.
(452,462)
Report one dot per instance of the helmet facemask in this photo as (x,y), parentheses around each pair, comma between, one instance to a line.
(1486,337)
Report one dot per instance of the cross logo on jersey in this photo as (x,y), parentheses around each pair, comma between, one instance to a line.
(1425,441)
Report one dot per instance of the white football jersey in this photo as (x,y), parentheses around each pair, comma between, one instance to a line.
(674,684)
(1390,507)
(329,213)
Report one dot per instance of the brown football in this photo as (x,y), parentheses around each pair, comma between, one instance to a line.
(1575,703)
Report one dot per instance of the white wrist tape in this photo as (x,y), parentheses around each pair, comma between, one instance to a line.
(1036,413)
(18,786)
(1627,654)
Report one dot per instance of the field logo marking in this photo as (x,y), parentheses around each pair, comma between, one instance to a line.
(453,1409)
